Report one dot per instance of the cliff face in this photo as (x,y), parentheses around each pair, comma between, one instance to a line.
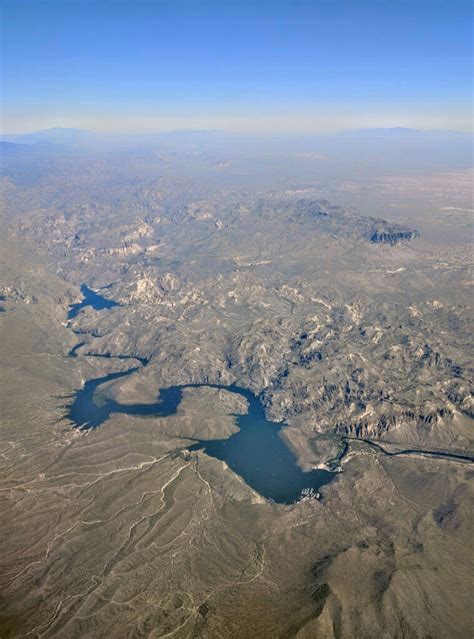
(393,236)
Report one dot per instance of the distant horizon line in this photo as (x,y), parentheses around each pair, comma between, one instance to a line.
(266,133)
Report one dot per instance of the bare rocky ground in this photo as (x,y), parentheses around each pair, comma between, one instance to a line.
(348,325)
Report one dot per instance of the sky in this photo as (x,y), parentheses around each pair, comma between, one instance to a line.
(260,65)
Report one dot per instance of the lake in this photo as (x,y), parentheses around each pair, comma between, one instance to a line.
(91,298)
(256,452)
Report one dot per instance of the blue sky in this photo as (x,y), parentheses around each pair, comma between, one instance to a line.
(260,65)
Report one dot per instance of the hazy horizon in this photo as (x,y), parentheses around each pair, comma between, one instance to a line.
(92,128)
(270,67)
(215,130)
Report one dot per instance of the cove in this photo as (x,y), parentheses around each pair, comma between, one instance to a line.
(91,298)
(256,452)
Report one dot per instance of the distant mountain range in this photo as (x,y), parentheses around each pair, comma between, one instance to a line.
(69,136)
(57,134)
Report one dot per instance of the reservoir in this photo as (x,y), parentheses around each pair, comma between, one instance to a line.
(256,452)
(91,298)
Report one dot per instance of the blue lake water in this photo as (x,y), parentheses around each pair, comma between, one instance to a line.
(91,298)
(256,452)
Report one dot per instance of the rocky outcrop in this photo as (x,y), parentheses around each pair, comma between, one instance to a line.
(392,237)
